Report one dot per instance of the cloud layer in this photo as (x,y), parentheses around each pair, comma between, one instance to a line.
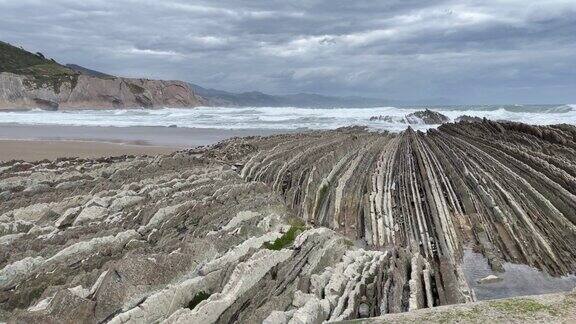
(475,51)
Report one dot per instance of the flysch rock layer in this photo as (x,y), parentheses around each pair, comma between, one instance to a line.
(300,228)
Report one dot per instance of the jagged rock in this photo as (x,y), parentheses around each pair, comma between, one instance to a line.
(468,119)
(34,212)
(124,202)
(134,244)
(68,217)
(314,311)
(318,226)
(276,317)
(427,117)
(300,299)
(389,119)
(89,214)
(244,277)
(11,274)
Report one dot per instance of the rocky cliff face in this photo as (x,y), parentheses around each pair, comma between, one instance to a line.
(30,80)
(300,228)
(82,91)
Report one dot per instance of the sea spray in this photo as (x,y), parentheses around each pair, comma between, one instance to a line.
(287,117)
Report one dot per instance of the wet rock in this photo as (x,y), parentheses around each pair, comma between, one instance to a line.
(363,310)
(427,117)
(468,119)
(389,119)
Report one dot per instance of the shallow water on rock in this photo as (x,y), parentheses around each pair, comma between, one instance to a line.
(517,279)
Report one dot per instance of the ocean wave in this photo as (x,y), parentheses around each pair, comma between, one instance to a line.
(287,117)
(509,108)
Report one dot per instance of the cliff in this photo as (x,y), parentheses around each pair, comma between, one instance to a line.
(19,91)
(30,80)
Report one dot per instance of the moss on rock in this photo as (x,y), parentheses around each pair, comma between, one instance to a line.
(285,240)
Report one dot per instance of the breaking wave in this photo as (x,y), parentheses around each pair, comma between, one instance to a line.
(286,117)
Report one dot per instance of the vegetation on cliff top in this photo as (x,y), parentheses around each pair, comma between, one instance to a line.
(40,71)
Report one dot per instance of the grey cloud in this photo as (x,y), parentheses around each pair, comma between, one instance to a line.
(471,50)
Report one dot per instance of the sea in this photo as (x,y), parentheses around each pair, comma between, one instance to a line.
(289,118)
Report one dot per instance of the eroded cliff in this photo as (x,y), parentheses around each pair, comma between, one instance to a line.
(16,91)
(30,80)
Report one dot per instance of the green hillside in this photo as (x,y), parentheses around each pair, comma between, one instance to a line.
(41,71)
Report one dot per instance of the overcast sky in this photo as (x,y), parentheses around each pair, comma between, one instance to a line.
(477,51)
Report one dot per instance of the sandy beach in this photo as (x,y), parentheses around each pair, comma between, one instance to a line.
(37,142)
(32,150)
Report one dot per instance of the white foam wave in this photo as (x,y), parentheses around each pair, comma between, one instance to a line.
(283,117)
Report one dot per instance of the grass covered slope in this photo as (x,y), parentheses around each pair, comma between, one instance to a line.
(41,72)
(17,60)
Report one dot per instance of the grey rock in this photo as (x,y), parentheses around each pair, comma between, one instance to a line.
(90,214)
(67,217)
(5,195)
(427,117)
(37,189)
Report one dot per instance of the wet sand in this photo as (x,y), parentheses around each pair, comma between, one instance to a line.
(30,150)
(37,142)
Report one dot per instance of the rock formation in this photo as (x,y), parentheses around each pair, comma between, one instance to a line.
(31,81)
(95,93)
(427,117)
(299,228)
(469,119)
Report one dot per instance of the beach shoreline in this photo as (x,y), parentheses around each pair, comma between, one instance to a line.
(36,150)
(38,142)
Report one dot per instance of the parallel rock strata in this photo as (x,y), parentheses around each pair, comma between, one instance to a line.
(302,228)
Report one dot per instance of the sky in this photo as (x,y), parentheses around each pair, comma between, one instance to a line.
(472,51)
